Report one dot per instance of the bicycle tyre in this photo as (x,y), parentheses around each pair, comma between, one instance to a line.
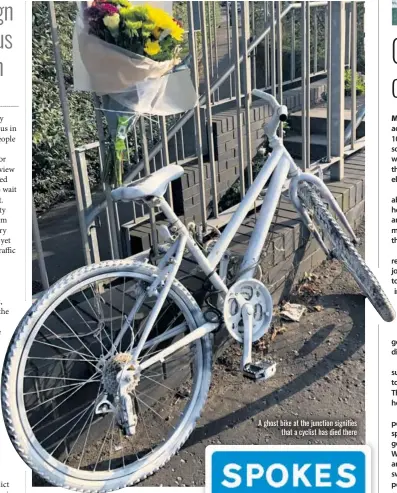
(25,444)
(344,250)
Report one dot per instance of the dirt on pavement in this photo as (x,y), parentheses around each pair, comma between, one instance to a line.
(320,376)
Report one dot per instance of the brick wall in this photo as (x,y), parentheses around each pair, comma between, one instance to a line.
(186,191)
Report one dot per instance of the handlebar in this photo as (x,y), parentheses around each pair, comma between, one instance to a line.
(267,97)
(280,110)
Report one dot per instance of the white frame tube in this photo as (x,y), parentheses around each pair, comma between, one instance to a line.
(262,226)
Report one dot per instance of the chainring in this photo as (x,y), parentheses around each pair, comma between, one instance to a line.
(255,293)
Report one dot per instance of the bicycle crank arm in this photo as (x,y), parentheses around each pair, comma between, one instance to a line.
(248,314)
(193,336)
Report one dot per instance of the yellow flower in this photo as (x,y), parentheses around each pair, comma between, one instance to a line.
(164,21)
(112,21)
(152,47)
(177,31)
(157,32)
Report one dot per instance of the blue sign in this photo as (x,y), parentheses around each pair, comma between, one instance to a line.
(287,469)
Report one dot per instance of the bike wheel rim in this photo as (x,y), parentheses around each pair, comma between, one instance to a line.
(129,470)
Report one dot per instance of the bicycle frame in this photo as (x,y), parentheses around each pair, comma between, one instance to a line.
(278,167)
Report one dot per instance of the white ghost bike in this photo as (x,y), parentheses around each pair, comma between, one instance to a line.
(107,373)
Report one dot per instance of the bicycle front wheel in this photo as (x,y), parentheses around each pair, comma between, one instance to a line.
(59,398)
(343,249)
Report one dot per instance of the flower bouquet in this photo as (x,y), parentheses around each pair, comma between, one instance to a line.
(127,54)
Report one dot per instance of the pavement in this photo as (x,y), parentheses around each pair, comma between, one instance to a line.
(320,377)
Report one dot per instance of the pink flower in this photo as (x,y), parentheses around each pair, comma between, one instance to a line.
(108,8)
(99,10)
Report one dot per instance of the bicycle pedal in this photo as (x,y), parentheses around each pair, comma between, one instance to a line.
(260,370)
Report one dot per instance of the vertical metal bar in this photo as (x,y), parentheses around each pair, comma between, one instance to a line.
(348,35)
(153,162)
(197,117)
(353,61)
(326,36)
(87,203)
(308,101)
(140,207)
(166,154)
(329,81)
(39,249)
(145,152)
(68,131)
(279,60)
(210,39)
(101,156)
(176,148)
(132,203)
(229,50)
(253,28)
(210,132)
(240,149)
(315,63)
(110,209)
(182,144)
(246,67)
(338,87)
(214,5)
(279,52)
(273,67)
(293,46)
(304,62)
(266,45)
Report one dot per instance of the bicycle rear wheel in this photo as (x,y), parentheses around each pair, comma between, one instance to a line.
(52,383)
(343,249)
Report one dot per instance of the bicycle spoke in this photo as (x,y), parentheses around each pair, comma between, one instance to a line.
(35,392)
(121,446)
(51,363)
(89,418)
(144,425)
(122,311)
(111,313)
(104,441)
(62,359)
(102,329)
(71,350)
(81,414)
(60,404)
(159,383)
(169,374)
(111,447)
(86,438)
(73,332)
(156,402)
(153,411)
(58,395)
(58,378)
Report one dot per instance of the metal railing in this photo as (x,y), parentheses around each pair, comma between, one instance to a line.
(276,46)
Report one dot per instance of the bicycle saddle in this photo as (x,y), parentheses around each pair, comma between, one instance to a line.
(153,185)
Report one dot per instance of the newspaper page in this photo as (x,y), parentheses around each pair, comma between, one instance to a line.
(198,246)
